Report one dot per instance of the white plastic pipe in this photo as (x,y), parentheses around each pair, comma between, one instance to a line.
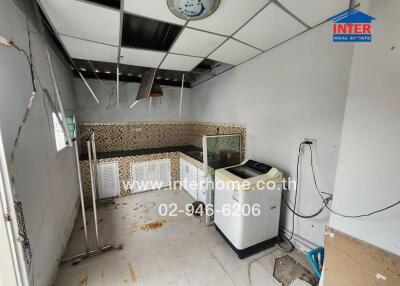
(64,120)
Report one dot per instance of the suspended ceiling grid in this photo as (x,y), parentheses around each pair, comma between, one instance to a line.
(146,34)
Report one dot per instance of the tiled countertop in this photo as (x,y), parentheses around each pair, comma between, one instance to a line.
(138,152)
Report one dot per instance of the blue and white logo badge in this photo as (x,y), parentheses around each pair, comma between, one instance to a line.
(352,25)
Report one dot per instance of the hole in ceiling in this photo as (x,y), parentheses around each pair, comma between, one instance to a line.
(109,3)
(206,70)
(139,32)
(108,71)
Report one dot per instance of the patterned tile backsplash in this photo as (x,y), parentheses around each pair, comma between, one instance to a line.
(146,135)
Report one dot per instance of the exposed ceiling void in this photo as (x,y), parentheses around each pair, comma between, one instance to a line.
(109,3)
(139,32)
(128,73)
(206,70)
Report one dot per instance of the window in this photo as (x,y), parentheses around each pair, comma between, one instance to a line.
(61,139)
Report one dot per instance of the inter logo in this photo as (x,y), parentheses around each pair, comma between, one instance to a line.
(352,26)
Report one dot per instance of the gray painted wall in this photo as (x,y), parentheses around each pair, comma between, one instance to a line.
(46,182)
(368,168)
(163,109)
(294,91)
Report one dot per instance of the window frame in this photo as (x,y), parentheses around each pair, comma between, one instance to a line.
(55,132)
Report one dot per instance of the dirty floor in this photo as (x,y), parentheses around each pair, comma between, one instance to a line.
(159,250)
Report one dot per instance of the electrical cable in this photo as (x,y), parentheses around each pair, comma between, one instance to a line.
(337,213)
(297,188)
(306,216)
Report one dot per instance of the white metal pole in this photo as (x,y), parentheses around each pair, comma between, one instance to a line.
(133,104)
(89,88)
(180,102)
(64,120)
(78,165)
(150,101)
(93,182)
(117,87)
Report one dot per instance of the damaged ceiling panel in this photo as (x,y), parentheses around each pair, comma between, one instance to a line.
(137,35)
(128,73)
(206,70)
(139,32)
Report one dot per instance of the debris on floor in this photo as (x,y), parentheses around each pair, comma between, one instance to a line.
(287,270)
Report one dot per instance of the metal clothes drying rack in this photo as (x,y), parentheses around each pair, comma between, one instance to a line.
(91,147)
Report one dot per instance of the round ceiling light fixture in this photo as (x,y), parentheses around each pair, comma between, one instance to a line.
(193,9)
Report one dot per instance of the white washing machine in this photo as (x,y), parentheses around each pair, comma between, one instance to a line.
(238,189)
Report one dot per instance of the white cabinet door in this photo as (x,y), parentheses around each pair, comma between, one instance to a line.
(108,179)
(151,175)
(182,173)
(185,174)
(193,183)
(139,175)
(189,178)
(201,192)
(164,171)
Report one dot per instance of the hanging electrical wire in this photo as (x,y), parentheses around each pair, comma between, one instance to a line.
(306,216)
(340,214)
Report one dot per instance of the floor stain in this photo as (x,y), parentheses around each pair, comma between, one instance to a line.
(131,272)
(147,226)
(83,282)
(153,225)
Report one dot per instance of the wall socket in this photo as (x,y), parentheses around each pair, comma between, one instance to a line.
(314,141)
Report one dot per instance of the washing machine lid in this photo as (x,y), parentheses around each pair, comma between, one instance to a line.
(250,169)
(265,174)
